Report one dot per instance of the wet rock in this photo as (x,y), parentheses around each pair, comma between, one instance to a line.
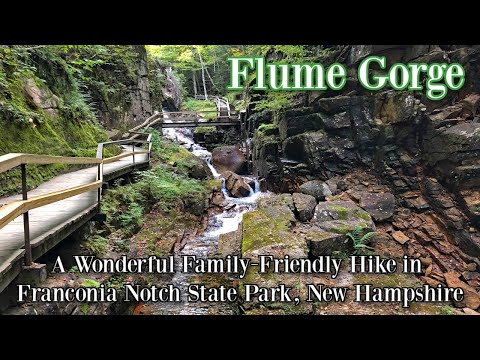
(380,206)
(342,185)
(304,206)
(291,125)
(316,188)
(229,158)
(471,299)
(340,217)
(321,153)
(419,203)
(218,199)
(236,185)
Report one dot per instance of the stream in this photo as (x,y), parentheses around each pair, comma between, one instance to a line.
(205,245)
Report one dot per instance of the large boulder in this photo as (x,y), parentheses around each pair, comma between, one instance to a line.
(316,188)
(331,222)
(229,158)
(341,217)
(236,185)
(267,231)
(41,97)
(304,206)
(380,206)
(193,166)
(321,242)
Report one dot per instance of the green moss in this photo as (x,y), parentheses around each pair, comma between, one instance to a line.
(342,211)
(266,130)
(363,215)
(340,229)
(266,226)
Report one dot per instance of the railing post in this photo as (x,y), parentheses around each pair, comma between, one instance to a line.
(99,190)
(133,147)
(26,220)
(99,175)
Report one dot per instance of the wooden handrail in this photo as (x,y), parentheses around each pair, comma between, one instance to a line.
(9,161)
(11,211)
(14,209)
(123,155)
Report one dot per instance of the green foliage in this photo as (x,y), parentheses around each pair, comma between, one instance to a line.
(192,104)
(266,127)
(447,310)
(97,244)
(84,308)
(162,149)
(359,240)
(475,208)
(205,129)
(164,186)
(132,218)
(116,281)
(69,129)
(121,245)
(276,100)
(91,283)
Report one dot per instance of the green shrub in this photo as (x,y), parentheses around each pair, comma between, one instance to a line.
(97,244)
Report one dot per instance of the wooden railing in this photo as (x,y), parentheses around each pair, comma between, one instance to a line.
(177,117)
(14,209)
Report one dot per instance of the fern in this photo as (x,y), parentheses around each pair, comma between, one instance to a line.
(359,240)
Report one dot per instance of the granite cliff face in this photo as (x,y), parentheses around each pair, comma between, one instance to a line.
(130,106)
(413,164)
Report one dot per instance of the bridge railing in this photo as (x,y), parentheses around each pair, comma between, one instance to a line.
(12,210)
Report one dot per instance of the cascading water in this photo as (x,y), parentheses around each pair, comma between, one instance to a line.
(205,245)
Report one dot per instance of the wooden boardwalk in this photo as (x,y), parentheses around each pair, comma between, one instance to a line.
(51,223)
(63,204)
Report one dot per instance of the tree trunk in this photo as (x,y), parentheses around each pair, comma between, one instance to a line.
(194,78)
(203,75)
(213,84)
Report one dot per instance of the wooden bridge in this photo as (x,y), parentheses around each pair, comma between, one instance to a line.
(180,119)
(36,221)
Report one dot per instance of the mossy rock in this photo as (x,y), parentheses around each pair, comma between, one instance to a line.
(341,217)
(267,231)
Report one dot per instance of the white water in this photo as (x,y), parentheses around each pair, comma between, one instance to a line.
(227,221)
(206,244)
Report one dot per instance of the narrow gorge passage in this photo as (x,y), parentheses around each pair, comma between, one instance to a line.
(206,244)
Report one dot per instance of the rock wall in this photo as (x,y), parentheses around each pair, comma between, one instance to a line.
(411,163)
(338,131)
(132,105)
